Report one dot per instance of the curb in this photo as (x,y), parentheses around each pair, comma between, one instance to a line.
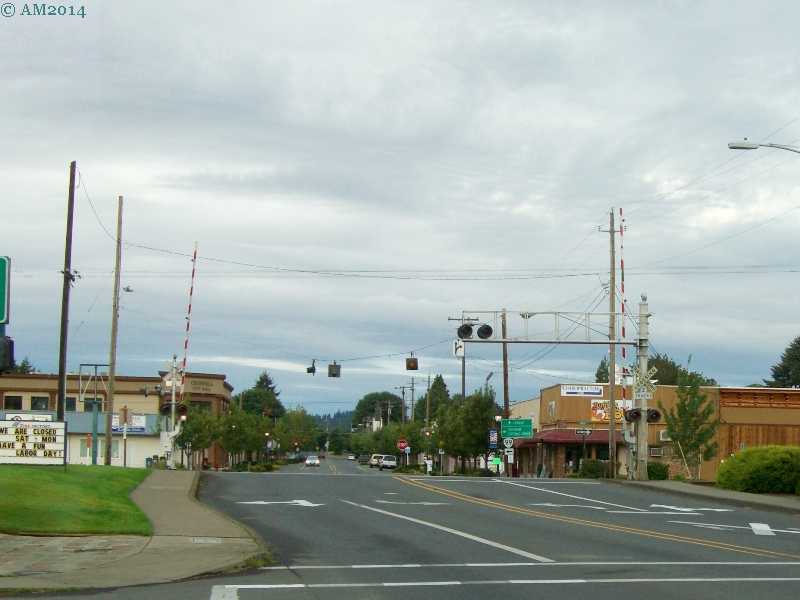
(756,502)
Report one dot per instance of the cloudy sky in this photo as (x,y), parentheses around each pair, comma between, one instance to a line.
(355,173)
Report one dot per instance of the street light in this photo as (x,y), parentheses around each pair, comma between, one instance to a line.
(748,145)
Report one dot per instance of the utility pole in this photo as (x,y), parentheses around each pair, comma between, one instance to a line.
(428,404)
(402,389)
(505,368)
(612,350)
(642,425)
(173,374)
(412,400)
(112,354)
(65,289)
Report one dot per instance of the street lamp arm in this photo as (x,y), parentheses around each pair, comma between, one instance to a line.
(748,145)
(781,147)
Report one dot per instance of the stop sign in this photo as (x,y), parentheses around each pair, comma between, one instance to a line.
(402,444)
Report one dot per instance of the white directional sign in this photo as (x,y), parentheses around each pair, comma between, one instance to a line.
(458,348)
(510,455)
(292,502)
(33,442)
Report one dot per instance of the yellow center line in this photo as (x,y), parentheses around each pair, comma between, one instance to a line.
(597,524)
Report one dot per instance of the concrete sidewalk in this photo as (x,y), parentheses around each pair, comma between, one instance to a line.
(781,502)
(189,539)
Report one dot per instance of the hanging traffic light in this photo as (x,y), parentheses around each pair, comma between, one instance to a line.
(485,331)
(412,364)
(313,368)
(465,331)
(334,370)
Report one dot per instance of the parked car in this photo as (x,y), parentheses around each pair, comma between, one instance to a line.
(312,461)
(363,459)
(387,462)
(373,460)
(351,457)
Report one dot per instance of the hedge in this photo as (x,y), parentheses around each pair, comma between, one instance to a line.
(762,470)
(657,471)
(593,469)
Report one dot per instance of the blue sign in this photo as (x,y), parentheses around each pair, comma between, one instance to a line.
(493,439)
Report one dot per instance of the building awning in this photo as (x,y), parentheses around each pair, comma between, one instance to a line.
(567,436)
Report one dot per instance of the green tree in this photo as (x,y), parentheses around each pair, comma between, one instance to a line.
(337,441)
(262,399)
(462,425)
(297,429)
(233,434)
(376,404)
(199,431)
(787,372)
(692,423)
(438,395)
(601,375)
(24,368)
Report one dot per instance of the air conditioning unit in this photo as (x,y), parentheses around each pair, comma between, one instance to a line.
(663,436)
(656,451)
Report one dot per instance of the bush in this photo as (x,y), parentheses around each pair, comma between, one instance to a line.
(415,469)
(593,469)
(657,471)
(679,477)
(762,470)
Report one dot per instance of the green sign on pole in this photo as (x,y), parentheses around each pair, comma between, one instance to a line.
(516,428)
(5,289)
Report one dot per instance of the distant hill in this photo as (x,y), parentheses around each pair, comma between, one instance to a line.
(341,420)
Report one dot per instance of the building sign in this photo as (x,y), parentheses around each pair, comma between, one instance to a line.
(493,438)
(136,424)
(594,391)
(33,443)
(600,409)
(27,417)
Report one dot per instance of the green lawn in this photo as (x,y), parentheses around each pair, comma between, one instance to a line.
(84,499)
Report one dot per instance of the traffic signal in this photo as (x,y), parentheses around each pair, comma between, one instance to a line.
(653,415)
(313,368)
(485,331)
(412,364)
(6,354)
(465,331)
(633,415)
(334,370)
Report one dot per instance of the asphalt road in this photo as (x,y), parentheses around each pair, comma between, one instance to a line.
(343,531)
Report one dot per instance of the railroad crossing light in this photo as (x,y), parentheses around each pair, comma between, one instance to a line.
(412,364)
(334,370)
(653,415)
(313,368)
(485,331)
(633,415)
(465,331)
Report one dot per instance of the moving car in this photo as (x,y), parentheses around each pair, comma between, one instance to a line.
(351,457)
(312,461)
(373,460)
(388,462)
(363,459)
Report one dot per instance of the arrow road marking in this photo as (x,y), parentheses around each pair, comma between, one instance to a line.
(293,502)
(688,510)
(417,503)
(756,528)
(761,529)
(538,489)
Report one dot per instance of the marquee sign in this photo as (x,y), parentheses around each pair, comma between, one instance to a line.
(33,442)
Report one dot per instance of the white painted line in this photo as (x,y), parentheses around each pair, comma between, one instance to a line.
(652,512)
(390,493)
(292,502)
(463,534)
(723,527)
(689,510)
(401,584)
(530,487)
(554,505)
(761,529)
(414,503)
(493,480)
(222,592)
(538,564)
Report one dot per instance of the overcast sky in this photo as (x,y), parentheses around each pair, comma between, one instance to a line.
(437,156)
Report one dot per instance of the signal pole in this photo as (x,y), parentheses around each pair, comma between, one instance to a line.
(65,289)
(612,350)
(112,360)
(642,426)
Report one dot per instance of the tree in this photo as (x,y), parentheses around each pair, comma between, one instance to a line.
(24,368)
(438,395)
(462,425)
(601,375)
(692,423)
(198,431)
(262,399)
(297,429)
(787,372)
(376,404)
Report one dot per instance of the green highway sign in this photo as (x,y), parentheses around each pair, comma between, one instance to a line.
(516,428)
(5,289)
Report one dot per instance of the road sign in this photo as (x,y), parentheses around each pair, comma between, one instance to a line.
(516,428)
(441,450)
(407,449)
(458,348)
(508,442)
(510,455)
(492,439)
(402,443)
(642,394)
(583,432)
(497,461)
(5,289)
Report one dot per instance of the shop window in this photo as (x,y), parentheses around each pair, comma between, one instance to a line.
(12,403)
(86,449)
(69,404)
(40,403)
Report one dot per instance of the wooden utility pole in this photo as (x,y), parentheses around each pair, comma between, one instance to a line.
(612,351)
(412,400)
(112,353)
(65,289)
(506,411)
(428,404)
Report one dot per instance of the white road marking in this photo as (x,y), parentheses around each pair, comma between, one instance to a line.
(494,480)
(286,586)
(221,592)
(415,503)
(463,534)
(533,564)
(723,527)
(552,504)
(530,487)
(390,493)
(689,510)
(761,529)
(292,502)
(652,512)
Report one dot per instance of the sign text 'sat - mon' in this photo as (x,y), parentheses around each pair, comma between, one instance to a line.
(5,289)
(33,442)
(516,428)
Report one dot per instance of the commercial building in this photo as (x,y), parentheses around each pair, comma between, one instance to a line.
(34,396)
(574,423)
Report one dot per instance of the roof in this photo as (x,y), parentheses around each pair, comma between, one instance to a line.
(567,436)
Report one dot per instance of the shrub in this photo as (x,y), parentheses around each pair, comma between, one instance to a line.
(592,468)
(657,471)
(762,470)
(415,469)
(679,477)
